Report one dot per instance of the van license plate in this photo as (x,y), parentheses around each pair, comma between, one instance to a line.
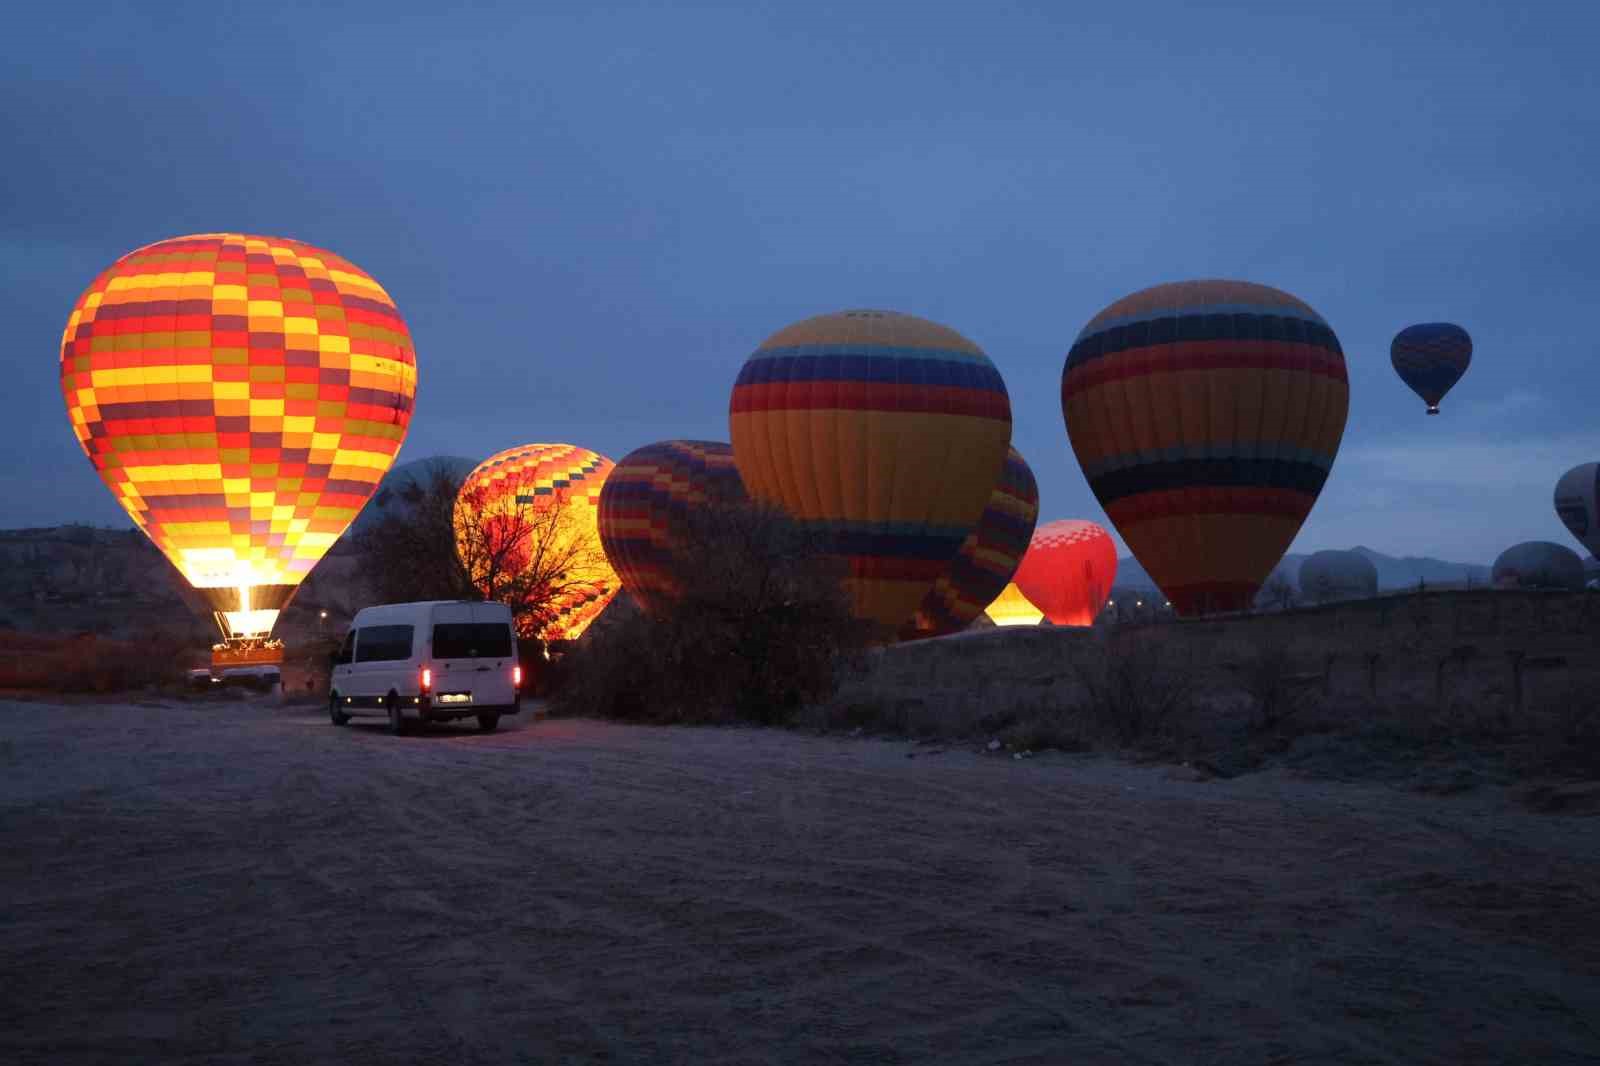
(456,697)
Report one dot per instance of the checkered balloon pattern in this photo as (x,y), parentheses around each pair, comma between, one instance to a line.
(241,397)
(987,559)
(1068,571)
(497,527)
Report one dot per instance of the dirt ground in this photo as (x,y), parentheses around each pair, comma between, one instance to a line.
(220,883)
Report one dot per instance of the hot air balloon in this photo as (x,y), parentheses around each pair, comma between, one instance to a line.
(1578,504)
(645,502)
(883,434)
(1206,415)
(988,557)
(1327,576)
(1012,608)
(527,531)
(1430,358)
(241,396)
(1068,571)
(1538,564)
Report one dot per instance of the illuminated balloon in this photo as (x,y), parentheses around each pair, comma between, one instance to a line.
(1012,608)
(1206,416)
(883,434)
(1538,564)
(241,397)
(1430,358)
(644,503)
(1578,504)
(988,557)
(1068,571)
(1327,576)
(530,515)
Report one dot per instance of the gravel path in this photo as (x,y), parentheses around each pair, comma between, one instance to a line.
(219,883)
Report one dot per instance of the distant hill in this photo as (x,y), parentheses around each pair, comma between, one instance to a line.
(1393,572)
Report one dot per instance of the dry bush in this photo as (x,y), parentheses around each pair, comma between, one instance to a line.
(87,663)
(758,630)
(1137,687)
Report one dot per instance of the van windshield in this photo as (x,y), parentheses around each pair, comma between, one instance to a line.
(472,640)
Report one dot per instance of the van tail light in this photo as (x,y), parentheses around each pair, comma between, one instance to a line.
(427,679)
(516,676)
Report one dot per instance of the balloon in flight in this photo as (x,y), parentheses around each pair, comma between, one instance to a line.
(1206,416)
(881,433)
(1430,358)
(241,397)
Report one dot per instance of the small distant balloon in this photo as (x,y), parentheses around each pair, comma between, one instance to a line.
(1538,564)
(1430,358)
(1578,504)
(1327,576)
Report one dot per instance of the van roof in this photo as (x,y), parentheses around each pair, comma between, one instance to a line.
(426,607)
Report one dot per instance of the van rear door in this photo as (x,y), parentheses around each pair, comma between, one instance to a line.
(474,655)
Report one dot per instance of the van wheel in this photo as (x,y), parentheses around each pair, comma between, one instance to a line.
(488,723)
(397,721)
(337,716)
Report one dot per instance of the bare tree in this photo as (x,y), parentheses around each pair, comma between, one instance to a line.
(535,552)
(409,553)
(1278,592)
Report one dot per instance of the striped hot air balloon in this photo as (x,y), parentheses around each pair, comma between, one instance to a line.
(1068,571)
(645,502)
(527,530)
(1206,416)
(1430,358)
(883,434)
(241,397)
(987,559)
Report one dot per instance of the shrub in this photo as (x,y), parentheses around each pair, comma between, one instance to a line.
(757,631)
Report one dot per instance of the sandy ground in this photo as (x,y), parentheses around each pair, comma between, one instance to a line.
(246,883)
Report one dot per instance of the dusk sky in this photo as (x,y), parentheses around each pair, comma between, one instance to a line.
(590,215)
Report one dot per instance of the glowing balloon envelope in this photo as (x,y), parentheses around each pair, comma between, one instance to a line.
(1430,358)
(1012,608)
(1068,571)
(241,396)
(1206,416)
(645,502)
(987,558)
(1578,504)
(537,505)
(881,433)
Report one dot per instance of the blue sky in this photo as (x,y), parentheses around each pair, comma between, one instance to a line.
(590,214)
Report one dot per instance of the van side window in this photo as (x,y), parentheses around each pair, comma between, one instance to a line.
(383,644)
(471,640)
(346,650)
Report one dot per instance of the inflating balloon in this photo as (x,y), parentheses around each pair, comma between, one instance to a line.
(882,434)
(1012,608)
(988,557)
(1206,416)
(1327,576)
(645,503)
(1430,358)
(529,516)
(1578,504)
(1538,564)
(1068,571)
(241,397)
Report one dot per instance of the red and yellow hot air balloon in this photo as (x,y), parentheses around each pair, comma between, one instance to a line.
(241,397)
(883,434)
(527,531)
(988,557)
(1068,571)
(645,503)
(1206,416)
